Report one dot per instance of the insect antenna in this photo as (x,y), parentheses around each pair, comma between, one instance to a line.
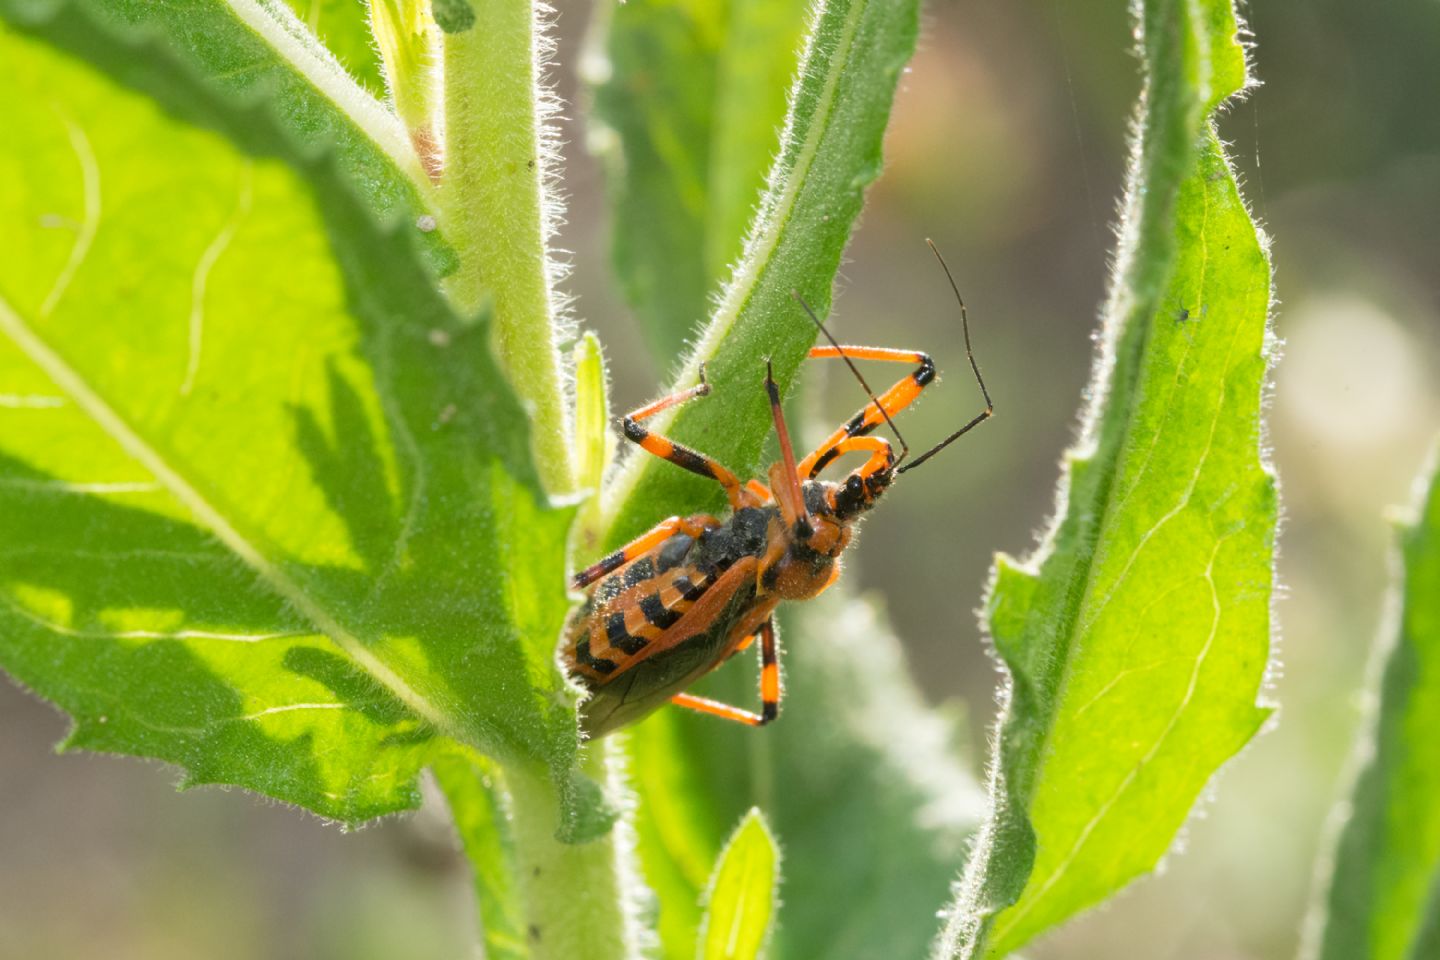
(904,447)
(989,410)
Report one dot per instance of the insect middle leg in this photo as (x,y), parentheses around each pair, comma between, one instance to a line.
(769,688)
(658,534)
(681,456)
(897,398)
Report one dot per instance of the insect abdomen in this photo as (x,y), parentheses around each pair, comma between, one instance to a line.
(608,633)
(630,610)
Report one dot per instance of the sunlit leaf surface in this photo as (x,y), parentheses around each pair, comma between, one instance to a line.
(257,61)
(1137,637)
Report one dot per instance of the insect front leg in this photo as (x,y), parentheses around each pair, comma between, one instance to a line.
(901,395)
(905,392)
(769,688)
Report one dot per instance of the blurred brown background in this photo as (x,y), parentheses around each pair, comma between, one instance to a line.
(1008,148)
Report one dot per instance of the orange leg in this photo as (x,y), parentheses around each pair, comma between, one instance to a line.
(769,688)
(891,402)
(882,457)
(681,456)
(658,534)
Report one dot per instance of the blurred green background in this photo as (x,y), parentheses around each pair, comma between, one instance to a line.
(1008,148)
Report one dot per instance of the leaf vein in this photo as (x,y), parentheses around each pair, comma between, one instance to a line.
(47,624)
(1184,501)
(85,236)
(201,277)
(1013,919)
(80,486)
(16,401)
(277,26)
(71,382)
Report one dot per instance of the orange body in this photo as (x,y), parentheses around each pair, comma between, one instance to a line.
(679,601)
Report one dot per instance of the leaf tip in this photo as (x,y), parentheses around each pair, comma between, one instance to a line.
(740,901)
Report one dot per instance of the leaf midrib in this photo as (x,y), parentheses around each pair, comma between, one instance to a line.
(74,385)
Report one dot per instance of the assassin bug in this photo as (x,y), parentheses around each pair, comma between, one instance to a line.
(680,600)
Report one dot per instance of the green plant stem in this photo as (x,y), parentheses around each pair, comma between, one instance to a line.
(572,895)
(496,213)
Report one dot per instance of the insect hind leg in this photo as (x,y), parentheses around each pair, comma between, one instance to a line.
(770,691)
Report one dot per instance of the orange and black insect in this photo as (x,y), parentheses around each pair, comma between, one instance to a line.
(692,592)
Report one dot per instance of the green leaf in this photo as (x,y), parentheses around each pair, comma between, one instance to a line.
(263,478)
(741,900)
(1137,638)
(858,777)
(1383,901)
(1427,941)
(829,151)
(244,53)
(594,443)
(688,98)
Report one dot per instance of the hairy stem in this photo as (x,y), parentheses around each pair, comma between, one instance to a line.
(573,895)
(495,210)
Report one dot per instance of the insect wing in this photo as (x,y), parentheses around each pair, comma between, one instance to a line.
(687,650)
